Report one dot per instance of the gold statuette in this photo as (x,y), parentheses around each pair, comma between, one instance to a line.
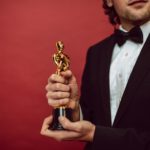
(62,61)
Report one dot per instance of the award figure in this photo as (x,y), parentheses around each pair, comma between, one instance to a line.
(62,61)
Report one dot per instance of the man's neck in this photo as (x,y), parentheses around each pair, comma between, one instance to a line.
(129,25)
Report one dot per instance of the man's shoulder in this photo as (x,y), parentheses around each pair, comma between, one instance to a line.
(103,43)
(100,46)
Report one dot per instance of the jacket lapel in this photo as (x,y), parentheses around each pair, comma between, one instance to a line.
(140,69)
(104,79)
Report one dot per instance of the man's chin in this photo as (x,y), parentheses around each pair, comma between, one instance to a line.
(139,21)
(139,15)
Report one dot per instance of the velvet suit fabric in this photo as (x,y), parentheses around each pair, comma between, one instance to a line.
(131,128)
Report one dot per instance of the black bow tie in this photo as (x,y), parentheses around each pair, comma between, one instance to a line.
(134,34)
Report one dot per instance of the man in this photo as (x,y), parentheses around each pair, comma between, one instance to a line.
(115,92)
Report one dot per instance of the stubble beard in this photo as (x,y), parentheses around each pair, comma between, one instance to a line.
(138,17)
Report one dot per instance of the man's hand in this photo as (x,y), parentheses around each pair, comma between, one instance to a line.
(80,130)
(63,91)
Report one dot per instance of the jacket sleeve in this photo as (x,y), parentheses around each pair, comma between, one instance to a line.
(107,138)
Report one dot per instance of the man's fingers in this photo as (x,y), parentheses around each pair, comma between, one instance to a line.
(62,135)
(73,126)
(56,78)
(46,123)
(57,95)
(66,74)
(57,87)
(74,130)
(57,103)
(58,135)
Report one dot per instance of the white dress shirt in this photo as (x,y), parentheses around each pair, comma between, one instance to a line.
(122,63)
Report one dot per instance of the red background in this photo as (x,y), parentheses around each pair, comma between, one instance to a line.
(28,32)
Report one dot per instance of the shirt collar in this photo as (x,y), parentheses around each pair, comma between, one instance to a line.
(145,29)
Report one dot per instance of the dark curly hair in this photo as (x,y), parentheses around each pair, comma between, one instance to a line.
(110,11)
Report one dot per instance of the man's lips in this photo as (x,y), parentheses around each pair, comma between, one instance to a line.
(132,2)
